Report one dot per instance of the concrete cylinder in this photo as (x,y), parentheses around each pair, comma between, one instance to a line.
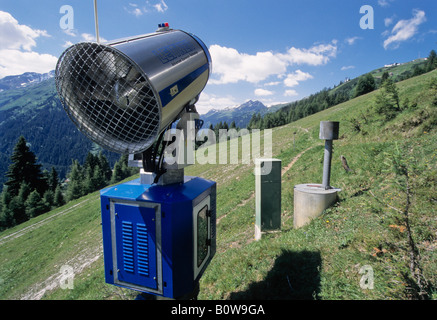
(310,200)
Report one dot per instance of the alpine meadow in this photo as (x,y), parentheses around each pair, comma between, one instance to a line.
(384,220)
(215,158)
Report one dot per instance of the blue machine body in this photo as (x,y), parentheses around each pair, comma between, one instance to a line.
(158,239)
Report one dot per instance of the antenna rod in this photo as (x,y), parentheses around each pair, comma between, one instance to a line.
(96,19)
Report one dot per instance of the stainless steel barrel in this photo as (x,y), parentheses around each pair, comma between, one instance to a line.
(124,93)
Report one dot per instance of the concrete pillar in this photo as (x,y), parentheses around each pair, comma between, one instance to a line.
(267,196)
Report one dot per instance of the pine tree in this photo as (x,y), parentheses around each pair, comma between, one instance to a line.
(431,63)
(48,199)
(117,173)
(94,179)
(17,204)
(384,77)
(1,210)
(124,166)
(75,188)
(88,183)
(34,205)
(105,167)
(6,219)
(365,85)
(24,191)
(127,171)
(387,100)
(417,71)
(91,161)
(392,91)
(24,169)
(251,124)
(6,214)
(59,197)
(98,178)
(18,210)
(53,180)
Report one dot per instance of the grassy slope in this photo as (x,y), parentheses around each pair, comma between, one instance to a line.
(377,74)
(321,260)
(398,70)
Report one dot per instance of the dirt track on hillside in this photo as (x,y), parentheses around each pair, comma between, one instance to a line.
(252,195)
(38,224)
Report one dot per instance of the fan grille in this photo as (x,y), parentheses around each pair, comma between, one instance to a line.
(108,97)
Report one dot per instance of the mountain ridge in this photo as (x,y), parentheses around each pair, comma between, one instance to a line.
(24,80)
(240,114)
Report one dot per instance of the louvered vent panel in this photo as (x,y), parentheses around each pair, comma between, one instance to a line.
(142,250)
(128,246)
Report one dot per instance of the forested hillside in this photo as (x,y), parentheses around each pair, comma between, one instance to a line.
(343,92)
(35,112)
(30,191)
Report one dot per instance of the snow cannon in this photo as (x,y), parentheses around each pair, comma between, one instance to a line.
(159,231)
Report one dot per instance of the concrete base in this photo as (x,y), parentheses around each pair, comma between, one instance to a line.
(259,233)
(310,200)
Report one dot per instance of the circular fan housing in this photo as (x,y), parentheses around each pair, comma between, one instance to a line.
(122,95)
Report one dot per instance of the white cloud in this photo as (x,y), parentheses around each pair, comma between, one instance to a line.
(263,93)
(231,66)
(384,3)
(350,41)
(347,68)
(389,21)
(17,36)
(210,101)
(405,29)
(293,79)
(70,32)
(16,48)
(67,44)
(14,62)
(314,56)
(161,6)
(273,83)
(87,37)
(291,93)
(135,10)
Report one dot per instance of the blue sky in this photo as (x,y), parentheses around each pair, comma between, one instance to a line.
(274,51)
